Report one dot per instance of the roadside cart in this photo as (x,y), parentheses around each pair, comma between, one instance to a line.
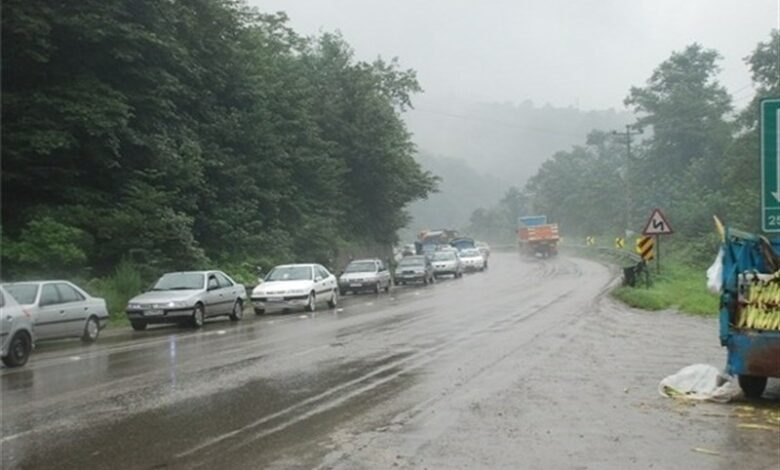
(749,307)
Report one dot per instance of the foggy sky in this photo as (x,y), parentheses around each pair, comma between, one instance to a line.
(566,53)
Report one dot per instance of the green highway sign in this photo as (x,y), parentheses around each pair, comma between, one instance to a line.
(770,164)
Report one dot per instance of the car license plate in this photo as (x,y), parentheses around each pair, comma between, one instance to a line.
(356,284)
(153,313)
(275,299)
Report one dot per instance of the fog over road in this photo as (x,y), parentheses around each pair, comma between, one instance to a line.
(528,365)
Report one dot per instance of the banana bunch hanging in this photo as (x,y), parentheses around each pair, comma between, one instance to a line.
(759,302)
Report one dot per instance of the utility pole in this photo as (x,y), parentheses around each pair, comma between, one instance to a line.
(629,134)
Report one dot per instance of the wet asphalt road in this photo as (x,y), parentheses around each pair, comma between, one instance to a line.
(528,365)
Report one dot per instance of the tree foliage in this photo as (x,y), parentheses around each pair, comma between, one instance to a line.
(178,134)
(695,159)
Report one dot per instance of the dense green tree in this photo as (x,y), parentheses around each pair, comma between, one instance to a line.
(695,160)
(182,133)
(744,165)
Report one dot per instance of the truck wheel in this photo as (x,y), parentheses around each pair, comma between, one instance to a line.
(752,386)
(18,351)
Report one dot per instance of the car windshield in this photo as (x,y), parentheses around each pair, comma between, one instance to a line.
(290,273)
(469,253)
(361,267)
(444,256)
(25,294)
(180,281)
(411,262)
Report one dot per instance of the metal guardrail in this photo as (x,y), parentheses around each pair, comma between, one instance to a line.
(613,252)
(631,274)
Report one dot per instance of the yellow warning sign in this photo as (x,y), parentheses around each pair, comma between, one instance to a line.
(645,246)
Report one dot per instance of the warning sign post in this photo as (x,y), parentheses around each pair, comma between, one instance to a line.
(657,225)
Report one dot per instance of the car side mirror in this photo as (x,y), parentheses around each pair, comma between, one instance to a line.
(318,279)
(213,285)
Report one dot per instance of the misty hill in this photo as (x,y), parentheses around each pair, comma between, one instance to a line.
(461,190)
(505,140)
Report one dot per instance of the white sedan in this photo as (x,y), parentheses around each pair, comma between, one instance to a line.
(60,309)
(295,285)
(473,260)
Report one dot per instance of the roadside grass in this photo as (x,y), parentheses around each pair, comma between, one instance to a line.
(119,287)
(679,286)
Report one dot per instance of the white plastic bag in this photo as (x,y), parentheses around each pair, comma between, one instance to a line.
(715,274)
(700,382)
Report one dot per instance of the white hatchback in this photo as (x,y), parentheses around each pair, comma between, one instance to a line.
(295,285)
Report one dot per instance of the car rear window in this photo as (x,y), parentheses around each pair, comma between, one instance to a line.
(25,294)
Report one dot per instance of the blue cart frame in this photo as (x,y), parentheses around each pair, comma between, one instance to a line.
(753,355)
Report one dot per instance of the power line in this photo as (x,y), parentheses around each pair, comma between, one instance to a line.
(498,122)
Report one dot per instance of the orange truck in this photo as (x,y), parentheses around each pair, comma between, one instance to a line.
(536,237)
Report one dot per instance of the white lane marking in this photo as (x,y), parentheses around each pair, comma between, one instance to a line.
(303,317)
(14,436)
(221,332)
(75,358)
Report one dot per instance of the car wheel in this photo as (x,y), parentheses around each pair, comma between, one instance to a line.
(311,304)
(18,350)
(138,325)
(238,311)
(91,330)
(334,299)
(259,311)
(197,316)
(377,288)
(752,386)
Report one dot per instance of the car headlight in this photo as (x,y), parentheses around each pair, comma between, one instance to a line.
(132,306)
(177,304)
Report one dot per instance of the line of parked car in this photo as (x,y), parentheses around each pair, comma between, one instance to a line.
(43,310)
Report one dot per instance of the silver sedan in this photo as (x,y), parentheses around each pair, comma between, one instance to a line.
(188,297)
(60,309)
(365,275)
